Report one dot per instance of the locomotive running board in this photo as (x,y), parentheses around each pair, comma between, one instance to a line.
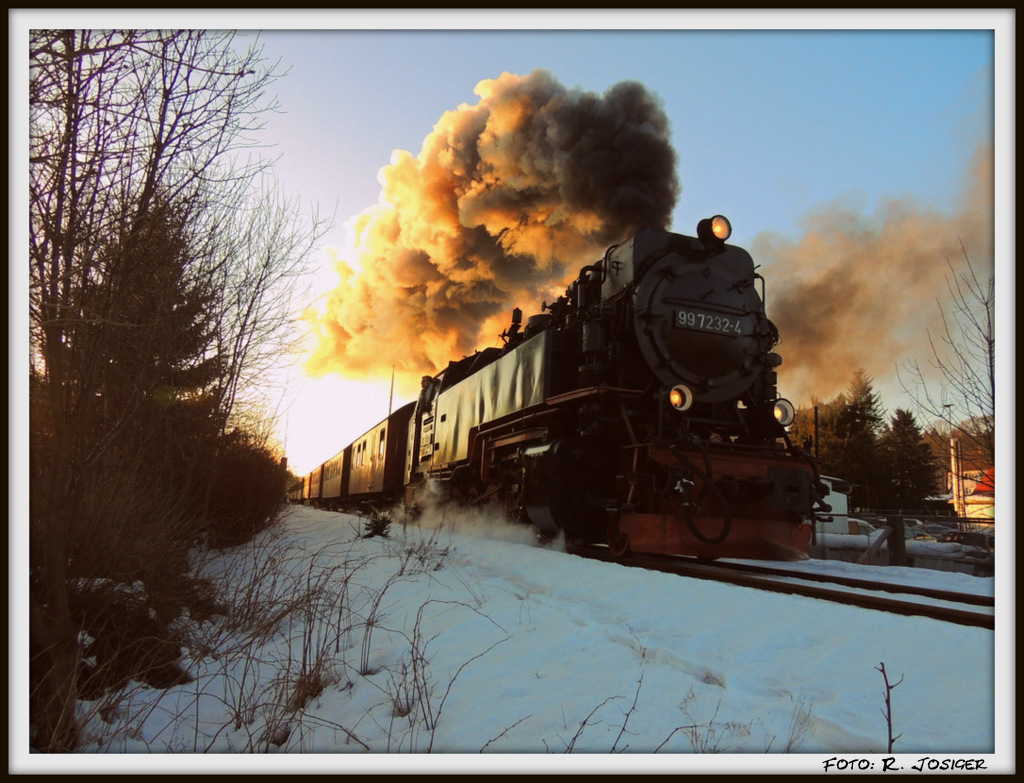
(590,391)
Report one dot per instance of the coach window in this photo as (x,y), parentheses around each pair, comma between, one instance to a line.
(380,446)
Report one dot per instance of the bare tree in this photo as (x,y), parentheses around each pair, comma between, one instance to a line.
(260,302)
(965,357)
(159,285)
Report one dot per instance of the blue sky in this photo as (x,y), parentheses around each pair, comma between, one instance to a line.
(767,124)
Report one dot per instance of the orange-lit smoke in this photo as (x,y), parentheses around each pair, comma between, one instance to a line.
(505,202)
(861,292)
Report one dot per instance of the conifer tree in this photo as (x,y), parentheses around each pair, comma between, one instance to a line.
(909,463)
(847,437)
(160,271)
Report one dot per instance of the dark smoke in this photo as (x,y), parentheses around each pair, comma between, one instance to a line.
(864,292)
(505,202)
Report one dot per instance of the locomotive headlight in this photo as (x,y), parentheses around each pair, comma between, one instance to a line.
(721,227)
(784,412)
(712,232)
(680,397)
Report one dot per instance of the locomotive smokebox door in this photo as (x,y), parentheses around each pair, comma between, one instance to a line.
(698,322)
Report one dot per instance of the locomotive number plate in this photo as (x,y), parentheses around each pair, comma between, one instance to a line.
(709,322)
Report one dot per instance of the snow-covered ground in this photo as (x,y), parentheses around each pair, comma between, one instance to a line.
(466,646)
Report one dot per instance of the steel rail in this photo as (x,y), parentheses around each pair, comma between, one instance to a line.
(864,584)
(774,583)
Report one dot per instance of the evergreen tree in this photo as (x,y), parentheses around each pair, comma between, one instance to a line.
(161,271)
(809,424)
(847,437)
(908,461)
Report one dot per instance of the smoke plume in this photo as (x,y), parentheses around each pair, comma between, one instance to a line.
(505,202)
(863,292)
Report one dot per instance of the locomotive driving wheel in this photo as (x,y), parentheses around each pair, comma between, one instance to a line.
(618,542)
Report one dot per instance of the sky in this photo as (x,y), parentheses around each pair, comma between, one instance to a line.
(523,653)
(771,128)
(767,124)
(848,159)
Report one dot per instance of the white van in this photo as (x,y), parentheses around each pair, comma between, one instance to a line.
(838,519)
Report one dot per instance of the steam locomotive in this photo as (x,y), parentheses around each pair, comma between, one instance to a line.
(638,411)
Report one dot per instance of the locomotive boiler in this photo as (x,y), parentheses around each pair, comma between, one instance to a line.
(640,410)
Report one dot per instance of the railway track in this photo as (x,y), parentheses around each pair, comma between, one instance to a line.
(963,609)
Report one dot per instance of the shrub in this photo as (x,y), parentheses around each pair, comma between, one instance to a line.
(122,639)
(248,489)
(379,524)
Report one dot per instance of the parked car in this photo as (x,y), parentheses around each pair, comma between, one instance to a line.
(917,534)
(863,528)
(979,538)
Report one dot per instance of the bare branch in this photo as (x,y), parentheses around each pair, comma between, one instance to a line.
(963,356)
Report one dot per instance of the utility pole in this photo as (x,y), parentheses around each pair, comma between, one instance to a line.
(955,467)
(391,396)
